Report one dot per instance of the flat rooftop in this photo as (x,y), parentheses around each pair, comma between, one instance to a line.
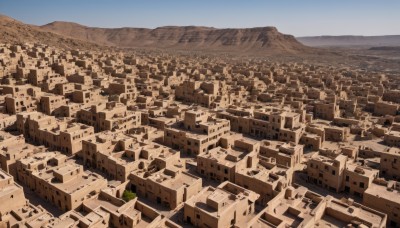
(354,213)
(182,179)
(381,191)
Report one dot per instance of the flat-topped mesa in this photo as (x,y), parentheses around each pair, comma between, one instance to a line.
(259,40)
(246,40)
(199,28)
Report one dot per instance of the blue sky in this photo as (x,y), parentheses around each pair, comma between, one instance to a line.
(297,17)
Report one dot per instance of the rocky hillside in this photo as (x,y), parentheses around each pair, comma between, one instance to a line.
(13,31)
(263,40)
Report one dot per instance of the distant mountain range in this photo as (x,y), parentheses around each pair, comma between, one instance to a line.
(262,40)
(253,40)
(348,41)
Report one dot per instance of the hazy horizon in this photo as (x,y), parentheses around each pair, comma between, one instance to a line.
(298,18)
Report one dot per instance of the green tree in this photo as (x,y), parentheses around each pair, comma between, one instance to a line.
(128,195)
